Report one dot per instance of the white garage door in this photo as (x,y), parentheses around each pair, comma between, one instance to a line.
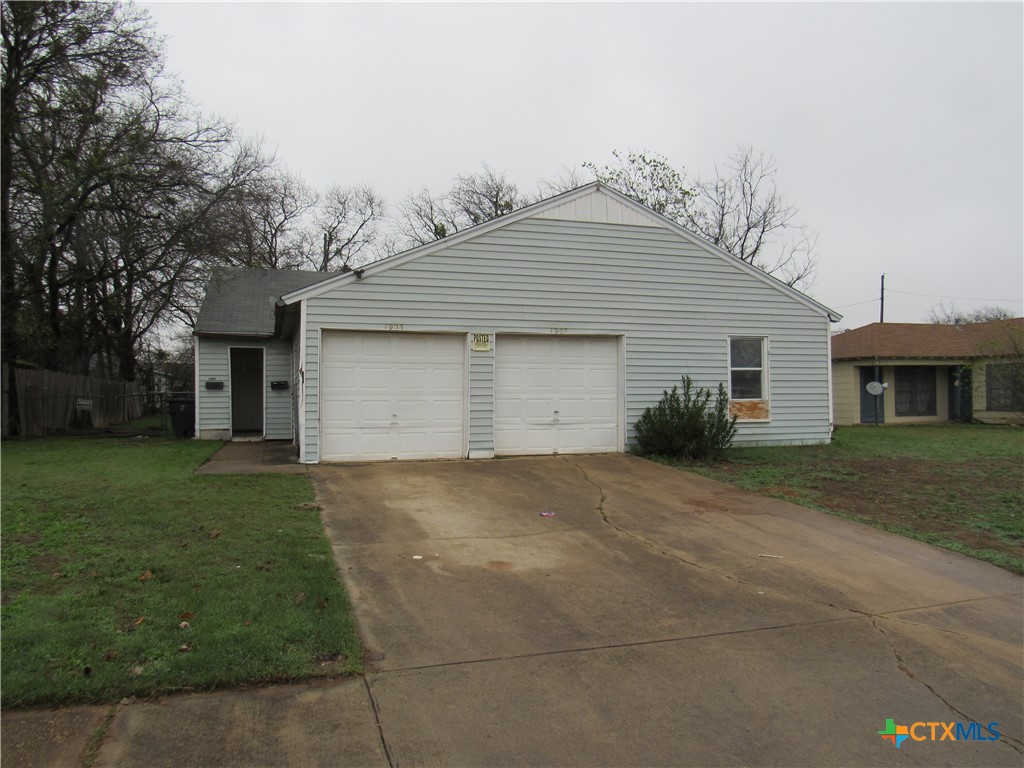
(391,396)
(555,394)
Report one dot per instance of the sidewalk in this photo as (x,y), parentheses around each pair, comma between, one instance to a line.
(326,723)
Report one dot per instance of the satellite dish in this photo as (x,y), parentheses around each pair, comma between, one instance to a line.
(875,388)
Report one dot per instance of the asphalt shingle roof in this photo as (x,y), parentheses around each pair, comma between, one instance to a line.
(926,340)
(241,301)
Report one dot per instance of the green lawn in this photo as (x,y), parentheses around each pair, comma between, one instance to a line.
(957,486)
(124,573)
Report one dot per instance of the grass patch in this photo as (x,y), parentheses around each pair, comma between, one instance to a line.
(150,423)
(110,545)
(958,486)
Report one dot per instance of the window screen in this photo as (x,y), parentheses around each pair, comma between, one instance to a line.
(1004,387)
(746,373)
(915,390)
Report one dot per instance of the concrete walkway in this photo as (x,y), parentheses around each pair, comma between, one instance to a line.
(655,618)
(246,458)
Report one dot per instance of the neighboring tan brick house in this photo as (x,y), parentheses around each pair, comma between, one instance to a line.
(932,373)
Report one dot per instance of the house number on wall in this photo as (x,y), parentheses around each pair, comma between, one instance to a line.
(394,327)
(559,331)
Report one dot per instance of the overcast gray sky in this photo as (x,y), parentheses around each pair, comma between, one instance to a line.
(898,129)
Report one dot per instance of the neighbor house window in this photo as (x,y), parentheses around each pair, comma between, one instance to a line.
(1004,387)
(915,390)
(746,368)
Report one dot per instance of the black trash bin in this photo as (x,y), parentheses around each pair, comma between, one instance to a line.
(183,416)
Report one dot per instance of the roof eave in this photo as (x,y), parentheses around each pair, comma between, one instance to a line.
(423,250)
(539,207)
(756,272)
(235,334)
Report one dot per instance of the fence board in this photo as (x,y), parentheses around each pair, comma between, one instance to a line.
(49,401)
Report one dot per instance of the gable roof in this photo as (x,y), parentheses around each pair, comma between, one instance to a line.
(241,302)
(601,195)
(926,340)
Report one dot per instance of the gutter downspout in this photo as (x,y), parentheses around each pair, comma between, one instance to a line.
(828,366)
(195,384)
(300,414)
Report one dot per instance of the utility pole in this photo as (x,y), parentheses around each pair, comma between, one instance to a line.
(881,302)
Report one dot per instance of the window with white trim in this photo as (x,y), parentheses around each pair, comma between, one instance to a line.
(746,368)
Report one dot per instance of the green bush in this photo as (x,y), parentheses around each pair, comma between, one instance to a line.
(686,425)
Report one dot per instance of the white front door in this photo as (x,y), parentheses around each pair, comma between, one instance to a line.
(556,394)
(391,396)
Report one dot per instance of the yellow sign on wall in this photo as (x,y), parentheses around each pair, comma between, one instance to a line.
(481,342)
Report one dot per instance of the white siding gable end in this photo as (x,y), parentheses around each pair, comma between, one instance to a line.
(600,208)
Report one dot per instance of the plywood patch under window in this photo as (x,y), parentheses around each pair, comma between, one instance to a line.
(747,410)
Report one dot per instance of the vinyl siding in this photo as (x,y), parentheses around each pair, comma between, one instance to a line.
(214,406)
(481,400)
(674,303)
(278,367)
(296,379)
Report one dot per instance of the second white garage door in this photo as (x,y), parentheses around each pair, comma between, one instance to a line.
(555,394)
(391,396)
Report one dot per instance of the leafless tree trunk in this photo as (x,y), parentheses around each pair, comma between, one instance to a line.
(346,224)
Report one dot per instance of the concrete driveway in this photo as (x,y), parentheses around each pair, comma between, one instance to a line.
(659,618)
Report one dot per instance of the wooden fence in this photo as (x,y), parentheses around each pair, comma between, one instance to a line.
(53,402)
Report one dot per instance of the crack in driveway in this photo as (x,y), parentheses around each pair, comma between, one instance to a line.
(614,646)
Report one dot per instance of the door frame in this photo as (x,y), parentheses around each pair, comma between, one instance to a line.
(263,388)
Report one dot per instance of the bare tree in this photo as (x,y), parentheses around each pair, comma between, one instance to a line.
(742,211)
(263,224)
(346,227)
(483,196)
(950,314)
(739,210)
(567,179)
(424,217)
(472,199)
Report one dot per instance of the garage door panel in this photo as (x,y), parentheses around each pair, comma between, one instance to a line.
(572,439)
(379,379)
(572,379)
(539,410)
(448,411)
(602,410)
(390,395)
(571,408)
(447,380)
(368,412)
(603,380)
(506,408)
(555,395)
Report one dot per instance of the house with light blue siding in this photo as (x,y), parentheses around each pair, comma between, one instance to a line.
(545,331)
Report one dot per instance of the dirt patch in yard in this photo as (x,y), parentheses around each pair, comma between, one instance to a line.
(935,497)
(974,505)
